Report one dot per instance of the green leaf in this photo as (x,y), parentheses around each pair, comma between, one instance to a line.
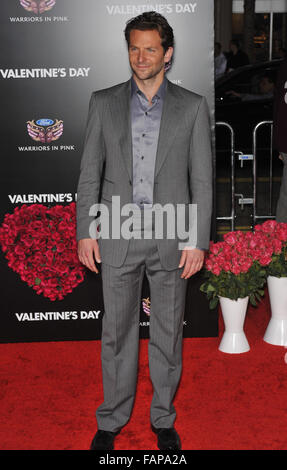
(213,303)
(210,288)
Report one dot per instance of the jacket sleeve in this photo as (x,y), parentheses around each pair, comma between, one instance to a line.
(90,169)
(201,170)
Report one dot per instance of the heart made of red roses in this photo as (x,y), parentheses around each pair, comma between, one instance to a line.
(40,245)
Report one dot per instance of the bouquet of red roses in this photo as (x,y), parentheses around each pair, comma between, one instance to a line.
(40,245)
(236,267)
(275,236)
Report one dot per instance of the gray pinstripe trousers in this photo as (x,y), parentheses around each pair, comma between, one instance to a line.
(122,289)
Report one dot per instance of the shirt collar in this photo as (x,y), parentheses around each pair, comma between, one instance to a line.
(159,94)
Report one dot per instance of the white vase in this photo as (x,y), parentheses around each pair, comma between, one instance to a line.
(276,332)
(234,340)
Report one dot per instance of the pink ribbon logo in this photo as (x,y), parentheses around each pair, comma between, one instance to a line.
(37,6)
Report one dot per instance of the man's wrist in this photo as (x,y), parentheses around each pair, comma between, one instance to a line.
(194,248)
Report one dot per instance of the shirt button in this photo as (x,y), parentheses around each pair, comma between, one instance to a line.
(141,180)
(143,135)
(142,157)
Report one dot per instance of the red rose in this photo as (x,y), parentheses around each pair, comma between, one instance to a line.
(45,248)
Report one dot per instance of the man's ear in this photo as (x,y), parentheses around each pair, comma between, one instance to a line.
(168,54)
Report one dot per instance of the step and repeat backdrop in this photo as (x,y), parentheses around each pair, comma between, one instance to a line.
(54,53)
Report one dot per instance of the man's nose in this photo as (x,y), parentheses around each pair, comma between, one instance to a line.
(141,56)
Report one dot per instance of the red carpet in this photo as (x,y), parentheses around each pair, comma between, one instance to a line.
(49,392)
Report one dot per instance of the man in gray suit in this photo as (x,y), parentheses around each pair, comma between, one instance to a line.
(147,144)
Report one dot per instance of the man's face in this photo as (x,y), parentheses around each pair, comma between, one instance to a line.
(265,86)
(233,48)
(146,54)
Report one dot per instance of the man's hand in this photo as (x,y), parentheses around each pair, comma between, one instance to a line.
(234,93)
(87,249)
(192,260)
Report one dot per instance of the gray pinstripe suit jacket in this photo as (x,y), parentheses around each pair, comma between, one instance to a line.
(183,169)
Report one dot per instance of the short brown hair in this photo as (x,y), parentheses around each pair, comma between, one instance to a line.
(148,21)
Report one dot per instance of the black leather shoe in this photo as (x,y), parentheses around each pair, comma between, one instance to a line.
(103,440)
(167,438)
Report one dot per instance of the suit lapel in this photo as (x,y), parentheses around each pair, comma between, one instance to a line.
(170,120)
(120,112)
(121,118)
